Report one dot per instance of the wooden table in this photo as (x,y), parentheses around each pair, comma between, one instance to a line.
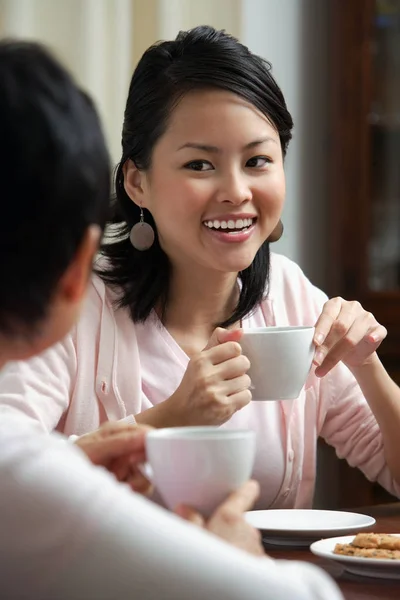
(353,587)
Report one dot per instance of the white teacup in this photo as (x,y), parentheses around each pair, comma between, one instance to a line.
(280,358)
(199,466)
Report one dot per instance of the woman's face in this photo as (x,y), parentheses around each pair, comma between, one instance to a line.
(216,185)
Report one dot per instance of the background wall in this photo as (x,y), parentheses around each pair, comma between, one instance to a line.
(94,40)
(293,36)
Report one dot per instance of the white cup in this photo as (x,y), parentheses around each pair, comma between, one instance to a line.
(280,359)
(199,466)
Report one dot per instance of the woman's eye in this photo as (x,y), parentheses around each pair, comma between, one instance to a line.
(199,165)
(258,161)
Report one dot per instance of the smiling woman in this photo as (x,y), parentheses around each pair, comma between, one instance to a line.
(210,167)
(200,138)
(204,138)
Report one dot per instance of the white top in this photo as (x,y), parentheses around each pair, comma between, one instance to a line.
(69,531)
(163,364)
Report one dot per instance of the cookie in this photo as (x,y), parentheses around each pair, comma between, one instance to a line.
(350,550)
(376,540)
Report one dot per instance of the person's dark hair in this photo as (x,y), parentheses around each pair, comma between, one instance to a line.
(55,177)
(201,58)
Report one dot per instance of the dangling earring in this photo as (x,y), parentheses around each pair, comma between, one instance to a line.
(142,234)
(277,233)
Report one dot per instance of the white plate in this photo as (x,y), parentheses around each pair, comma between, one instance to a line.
(367,567)
(301,527)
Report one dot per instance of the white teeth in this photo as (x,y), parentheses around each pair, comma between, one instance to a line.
(231,224)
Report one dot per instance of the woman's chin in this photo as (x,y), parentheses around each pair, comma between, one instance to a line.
(233,266)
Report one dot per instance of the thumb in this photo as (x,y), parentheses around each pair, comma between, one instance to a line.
(220,336)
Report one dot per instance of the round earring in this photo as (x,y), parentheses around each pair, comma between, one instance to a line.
(142,234)
(276,233)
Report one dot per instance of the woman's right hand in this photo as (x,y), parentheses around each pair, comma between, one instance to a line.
(215,384)
(228,521)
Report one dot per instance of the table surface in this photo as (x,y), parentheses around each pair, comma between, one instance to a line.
(353,587)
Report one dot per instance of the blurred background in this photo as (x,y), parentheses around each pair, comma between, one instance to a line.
(338,64)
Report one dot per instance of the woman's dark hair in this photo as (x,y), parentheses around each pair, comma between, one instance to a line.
(201,58)
(55,178)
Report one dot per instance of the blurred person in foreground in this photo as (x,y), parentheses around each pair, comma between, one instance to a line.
(69,529)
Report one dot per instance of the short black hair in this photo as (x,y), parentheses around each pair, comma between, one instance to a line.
(199,59)
(55,179)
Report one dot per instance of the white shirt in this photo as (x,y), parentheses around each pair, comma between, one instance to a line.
(69,531)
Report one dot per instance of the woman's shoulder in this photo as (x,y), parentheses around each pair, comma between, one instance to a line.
(283,267)
(285,274)
(289,285)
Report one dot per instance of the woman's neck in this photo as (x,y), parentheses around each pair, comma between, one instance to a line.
(197,300)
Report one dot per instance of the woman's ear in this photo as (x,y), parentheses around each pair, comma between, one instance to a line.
(276,234)
(134,182)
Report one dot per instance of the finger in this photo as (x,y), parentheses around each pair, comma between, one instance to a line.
(116,427)
(329,314)
(340,330)
(240,399)
(223,352)
(232,368)
(189,514)
(377,335)
(120,467)
(352,329)
(236,385)
(356,336)
(114,446)
(106,430)
(123,467)
(220,336)
(139,483)
(242,499)
(339,333)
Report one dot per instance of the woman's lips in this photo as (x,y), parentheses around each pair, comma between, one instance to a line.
(231,236)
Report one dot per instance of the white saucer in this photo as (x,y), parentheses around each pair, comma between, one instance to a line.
(299,527)
(366,567)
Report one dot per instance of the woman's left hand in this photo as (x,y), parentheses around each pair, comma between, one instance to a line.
(345,332)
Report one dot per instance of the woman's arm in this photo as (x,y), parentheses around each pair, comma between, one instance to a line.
(350,426)
(346,332)
(383,397)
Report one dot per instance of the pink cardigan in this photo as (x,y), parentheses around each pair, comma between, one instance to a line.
(94,375)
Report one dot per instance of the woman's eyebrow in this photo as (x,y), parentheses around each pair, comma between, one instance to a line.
(216,150)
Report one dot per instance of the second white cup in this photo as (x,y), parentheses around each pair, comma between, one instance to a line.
(280,360)
(199,466)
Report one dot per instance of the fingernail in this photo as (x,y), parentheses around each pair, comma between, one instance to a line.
(319,338)
(318,372)
(319,357)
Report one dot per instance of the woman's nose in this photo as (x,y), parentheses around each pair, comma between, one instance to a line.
(235,190)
